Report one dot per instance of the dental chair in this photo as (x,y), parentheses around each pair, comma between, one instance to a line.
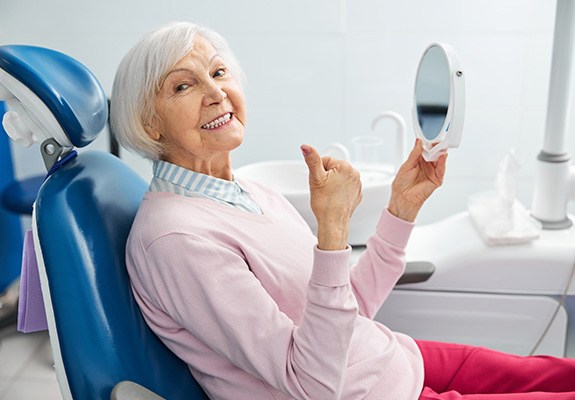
(10,239)
(102,347)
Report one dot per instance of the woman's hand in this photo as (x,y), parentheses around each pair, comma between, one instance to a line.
(414,183)
(335,189)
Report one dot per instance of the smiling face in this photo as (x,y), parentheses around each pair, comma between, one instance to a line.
(200,112)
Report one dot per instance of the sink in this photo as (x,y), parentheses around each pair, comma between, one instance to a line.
(290,178)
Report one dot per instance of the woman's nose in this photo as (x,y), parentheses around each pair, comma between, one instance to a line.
(214,93)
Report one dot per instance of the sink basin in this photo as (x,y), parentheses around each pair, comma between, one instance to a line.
(290,178)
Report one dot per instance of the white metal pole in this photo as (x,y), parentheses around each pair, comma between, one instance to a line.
(551,181)
(561,73)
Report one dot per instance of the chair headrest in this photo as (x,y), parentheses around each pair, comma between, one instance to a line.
(50,95)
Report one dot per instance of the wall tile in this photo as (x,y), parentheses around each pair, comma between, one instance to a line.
(453,16)
(378,16)
(261,16)
(292,70)
(531,133)
(380,69)
(537,69)
(71,17)
(494,68)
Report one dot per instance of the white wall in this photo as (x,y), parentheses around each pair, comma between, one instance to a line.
(319,70)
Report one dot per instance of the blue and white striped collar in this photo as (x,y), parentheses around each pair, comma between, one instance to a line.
(172,178)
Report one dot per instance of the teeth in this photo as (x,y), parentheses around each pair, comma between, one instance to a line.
(218,122)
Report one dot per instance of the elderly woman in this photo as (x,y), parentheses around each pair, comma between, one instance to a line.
(232,280)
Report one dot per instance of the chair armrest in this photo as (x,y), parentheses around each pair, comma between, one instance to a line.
(416,272)
(127,390)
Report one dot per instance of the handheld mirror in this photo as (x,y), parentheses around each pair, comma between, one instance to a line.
(439,101)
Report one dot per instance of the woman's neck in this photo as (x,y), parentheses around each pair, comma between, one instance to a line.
(217,167)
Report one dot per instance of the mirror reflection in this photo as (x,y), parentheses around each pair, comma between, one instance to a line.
(432,92)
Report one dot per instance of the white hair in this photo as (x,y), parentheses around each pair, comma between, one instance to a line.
(141,73)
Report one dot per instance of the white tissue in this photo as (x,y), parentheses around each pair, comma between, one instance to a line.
(498,215)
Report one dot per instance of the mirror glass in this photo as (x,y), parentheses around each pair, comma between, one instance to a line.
(432,92)
(439,101)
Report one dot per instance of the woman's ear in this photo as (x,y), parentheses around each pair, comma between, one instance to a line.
(152,128)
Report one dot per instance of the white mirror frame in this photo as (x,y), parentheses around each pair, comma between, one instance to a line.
(450,135)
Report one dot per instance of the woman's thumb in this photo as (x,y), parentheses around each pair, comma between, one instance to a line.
(314,163)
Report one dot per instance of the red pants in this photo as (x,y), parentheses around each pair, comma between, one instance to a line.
(458,372)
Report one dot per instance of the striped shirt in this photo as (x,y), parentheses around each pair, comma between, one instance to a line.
(172,178)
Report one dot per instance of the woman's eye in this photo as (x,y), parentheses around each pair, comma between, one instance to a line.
(219,72)
(181,87)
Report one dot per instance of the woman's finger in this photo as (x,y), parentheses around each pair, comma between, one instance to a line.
(414,155)
(314,163)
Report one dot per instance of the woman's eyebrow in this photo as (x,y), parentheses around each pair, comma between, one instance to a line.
(216,55)
(178,70)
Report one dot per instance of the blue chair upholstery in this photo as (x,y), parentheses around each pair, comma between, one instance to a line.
(83,214)
(18,196)
(10,240)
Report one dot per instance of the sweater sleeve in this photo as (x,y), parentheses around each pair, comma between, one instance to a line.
(379,268)
(211,292)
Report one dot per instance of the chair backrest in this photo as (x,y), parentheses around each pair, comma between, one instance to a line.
(10,230)
(83,215)
(81,220)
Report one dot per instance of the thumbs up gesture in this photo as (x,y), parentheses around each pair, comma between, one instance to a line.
(335,189)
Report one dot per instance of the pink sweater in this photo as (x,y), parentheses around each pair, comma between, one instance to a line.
(258,312)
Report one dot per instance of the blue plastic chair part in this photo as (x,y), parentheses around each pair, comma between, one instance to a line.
(18,196)
(84,213)
(10,228)
(69,90)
